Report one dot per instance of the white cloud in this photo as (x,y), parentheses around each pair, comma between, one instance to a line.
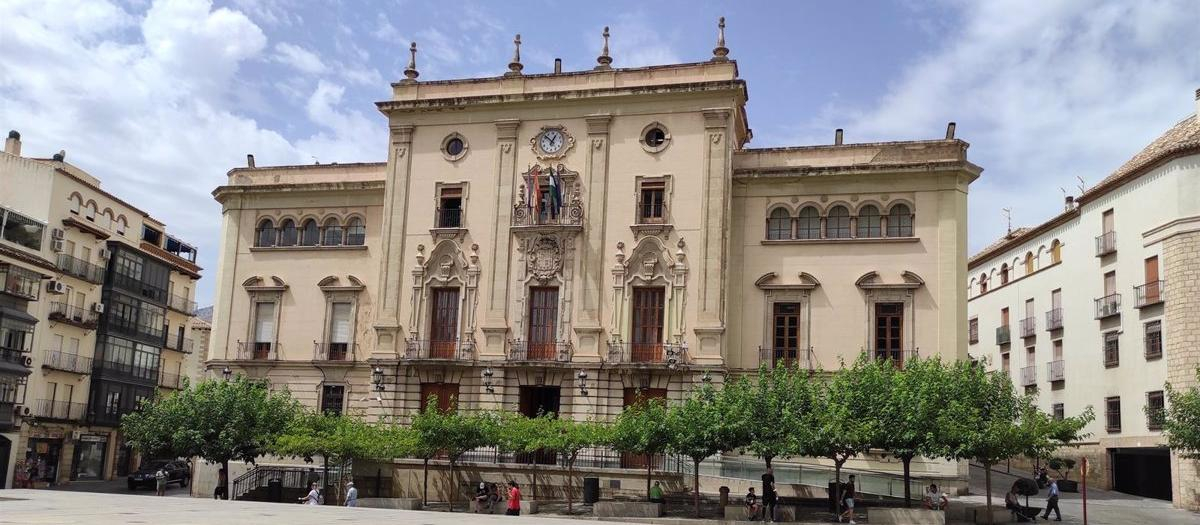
(635,43)
(299,58)
(384,30)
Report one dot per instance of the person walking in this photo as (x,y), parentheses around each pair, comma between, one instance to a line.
(847,499)
(769,497)
(351,494)
(313,497)
(514,499)
(222,490)
(1052,502)
(160,482)
(656,493)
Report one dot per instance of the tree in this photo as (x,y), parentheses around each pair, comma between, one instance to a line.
(215,420)
(526,436)
(909,412)
(1181,420)
(844,420)
(770,408)
(425,441)
(342,438)
(461,433)
(700,428)
(642,429)
(567,438)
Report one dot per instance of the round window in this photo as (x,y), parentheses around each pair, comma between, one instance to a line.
(655,137)
(454,147)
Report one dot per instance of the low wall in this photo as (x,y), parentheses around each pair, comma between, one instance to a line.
(624,484)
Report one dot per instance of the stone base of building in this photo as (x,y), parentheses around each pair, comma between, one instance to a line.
(1135,465)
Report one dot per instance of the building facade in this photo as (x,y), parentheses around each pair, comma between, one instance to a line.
(103,298)
(574,241)
(1094,308)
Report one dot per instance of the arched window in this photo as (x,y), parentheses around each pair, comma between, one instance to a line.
(121,225)
(309,234)
(356,233)
(89,211)
(900,221)
(331,233)
(1055,252)
(1029,263)
(1003,274)
(983,282)
(869,222)
(837,226)
(287,233)
(808,226)
(75,202)
(264,235)
(106,219)
(779,224)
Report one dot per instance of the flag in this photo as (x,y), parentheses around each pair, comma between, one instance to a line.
(555,193)
(535,191)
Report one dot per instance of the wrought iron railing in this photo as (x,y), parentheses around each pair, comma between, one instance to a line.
(1029,375)
(553,351)
(73,315)
(290,477)
(80,268)
(1149,293)
(801,358)
(169,380)
(67,362)
(1108,306)
(896,355)
(182,304)
(567,215)
(334,351)
(448,218)
(1028,326)
(1106,243)
(1003,335)
(180,344)
(670,354)
(1054,319)
(1055,370)
(651,212)
(447,349)
(60,410)
(257,351)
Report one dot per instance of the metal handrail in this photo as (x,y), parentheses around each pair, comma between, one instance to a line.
(1003,335)
(180,303)
(568,215)
(448,217)
(257,351)
(1108,306)
(1029,375)
(1054,319)
(335,351)
(66,313)
(447,349)
(520,350)
(1149,293)
(61,410)
(791,357)
(80,268)
(1028,326)
(670,354)
(1056,370)
(67,362)
(1106,243)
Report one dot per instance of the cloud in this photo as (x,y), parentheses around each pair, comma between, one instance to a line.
(635,43)
(384,30)
(299,58)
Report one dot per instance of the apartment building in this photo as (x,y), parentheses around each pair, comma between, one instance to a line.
(571,242)
(96,305)
(1094,308)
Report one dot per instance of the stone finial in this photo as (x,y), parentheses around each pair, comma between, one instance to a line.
(410,72)
(720,53)
(604,61)
(515,67)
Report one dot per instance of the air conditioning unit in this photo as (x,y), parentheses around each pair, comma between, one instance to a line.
(104,253)
(56,245)
(75,434)
(56,287)
(56,233)
(28,362)
(98,308)
(22,411)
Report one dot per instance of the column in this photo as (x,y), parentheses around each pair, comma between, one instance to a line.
(392,236)
(495,327)
(227,286)
(591,265)
(714,225)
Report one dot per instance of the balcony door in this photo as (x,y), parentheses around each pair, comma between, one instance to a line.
(543,322)
(889,331)
(443,324)
(1152,293)
(647,324)
(786,344)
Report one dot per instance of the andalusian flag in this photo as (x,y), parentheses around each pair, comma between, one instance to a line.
(555,193)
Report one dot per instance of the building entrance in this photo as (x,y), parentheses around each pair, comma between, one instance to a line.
(1142,471)
(89,457)
(535,401)
(42,456)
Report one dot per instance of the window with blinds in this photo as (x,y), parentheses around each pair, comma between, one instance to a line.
(339,331)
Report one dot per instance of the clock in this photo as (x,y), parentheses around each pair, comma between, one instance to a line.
(552,142)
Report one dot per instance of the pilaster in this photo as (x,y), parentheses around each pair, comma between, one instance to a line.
(495,326)
(395,218)
(231,223)
(592,263)
(715,226)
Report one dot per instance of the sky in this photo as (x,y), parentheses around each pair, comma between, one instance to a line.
(160,98)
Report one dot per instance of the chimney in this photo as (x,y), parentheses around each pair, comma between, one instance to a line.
(950,130)
(250,160)
(12,145)
(61,156)
(837,137)
(557,66)
(1069,203)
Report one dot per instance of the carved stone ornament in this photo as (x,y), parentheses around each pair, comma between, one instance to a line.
(558,141)
(545,258)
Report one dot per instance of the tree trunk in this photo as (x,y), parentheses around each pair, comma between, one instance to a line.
(696,485)
(325,472)
(570,480)
(228,481)
(425,489)
(987,487)
(907,480)
(453,488)
(767,458)
(837,486)
(649,472)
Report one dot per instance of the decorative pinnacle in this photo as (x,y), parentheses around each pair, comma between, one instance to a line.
(604,60)
(720,53)
(515,67)
(410,72)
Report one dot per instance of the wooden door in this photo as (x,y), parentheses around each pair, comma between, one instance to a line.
(634,396)
(1107,221)
(447,395)
(1152,291)
(1110,283)
(1056,299)
(647,325)
(443,323)
(889,331)
(543,323)
(1029,309)
(1004,317)
(786,344)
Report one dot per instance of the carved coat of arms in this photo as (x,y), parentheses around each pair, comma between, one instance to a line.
(545,258)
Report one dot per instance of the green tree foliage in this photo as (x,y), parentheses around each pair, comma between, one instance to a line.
(567,438)
(909,412)
(217,421)
(699,429)
(642,429)
(1181,420)
(452,433)
(844,418)
(771,409)
(526,435)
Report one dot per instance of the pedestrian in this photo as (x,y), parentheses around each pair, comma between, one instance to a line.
(493,496)
(935,500)
(752,505)
(1013,504)
(481,497)
(160,482)
(514,499)
(313,497)
(1052,501)
(847,499)
(222,490)
(351,494)
(656,493)
(769,496)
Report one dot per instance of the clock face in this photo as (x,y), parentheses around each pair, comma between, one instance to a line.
(552,141)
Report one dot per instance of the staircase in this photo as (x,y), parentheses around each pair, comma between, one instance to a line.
(294,481)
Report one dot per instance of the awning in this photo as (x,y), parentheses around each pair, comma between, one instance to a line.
(13,313)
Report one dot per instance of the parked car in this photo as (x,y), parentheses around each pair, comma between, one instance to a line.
(177,472)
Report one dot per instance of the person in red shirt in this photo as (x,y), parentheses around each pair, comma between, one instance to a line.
(514,499)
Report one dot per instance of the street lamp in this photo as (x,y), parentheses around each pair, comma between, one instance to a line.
(377,378)
(706,377)
(582,377)
(226,373)
(487,380)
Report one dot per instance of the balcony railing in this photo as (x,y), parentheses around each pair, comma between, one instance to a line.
(895,355)
(553,351)
(1054,319)
(19,282)
(66,362)
(789,357)
(80,268)
(1108,306)
(59,410)
(1055,370)
(651,212)
(568,215)
(72,315)
(139,288)
(670,354)
(181,304)
(133,328)
(1003,335)
(438,349)
(1028,326)
(128,370)
(1029,375)
(179,344)
(257,351)
(15,356)
(172,381)
(1149,293)
(1106,244)
(448,218)
(346,352)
